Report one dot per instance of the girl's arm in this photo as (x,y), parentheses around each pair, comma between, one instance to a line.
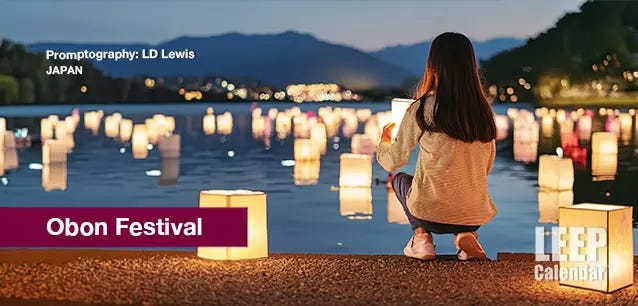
(392,156)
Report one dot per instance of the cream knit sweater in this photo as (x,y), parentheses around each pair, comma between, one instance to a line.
(450,181)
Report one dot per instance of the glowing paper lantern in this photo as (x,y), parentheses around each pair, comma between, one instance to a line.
(169,124)
(54,176)
(46,129)
(208,123)
(549,201)
(567,126)
(547,126)
(258,127)
(362,144)
(625,127)
(604,159)
(305,149)
(363,114)
(525,152)
(54,151)
(598,237)
(355,170)
(300,127)
(62,134)
(169,146)
(169,168)
(126,129)
(225,124)
(111,126)
(502,127)
(399,107)
(54,119)
(152,130)
(355,202)
(350,125)
(396,214)
(140,141)
(70,124)
(584,127)
(10,153)
(255,201)
(272,113)
(306,172)
(613,125)
(372,130)
(318,136)
(555,173)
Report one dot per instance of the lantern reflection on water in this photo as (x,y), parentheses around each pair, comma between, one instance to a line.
(625,127)
(355,202)
(306,172)
(305,149)
(54,176)
(604,159)
(169,146)
(255,202)
(549,201)
(362,144)
(608,234)
(355,170)
(169,168)
(140,141)
(318,136)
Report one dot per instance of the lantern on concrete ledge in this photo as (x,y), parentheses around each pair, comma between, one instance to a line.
(306,172)
(126,129)
(255,201)
(598,240)
(140,141)
(53,152)
(355,170)
(555,173)
(54,176)
(399,107)
(362,144)
(549,201)
(305,149)
(169,146)
(355,203)
(604,159)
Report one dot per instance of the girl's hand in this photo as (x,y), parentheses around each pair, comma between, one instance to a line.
(386,136)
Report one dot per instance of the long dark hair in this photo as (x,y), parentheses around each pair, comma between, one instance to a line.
(461,110)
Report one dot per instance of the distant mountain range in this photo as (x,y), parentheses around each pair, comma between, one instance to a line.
(412,57)
(276,59)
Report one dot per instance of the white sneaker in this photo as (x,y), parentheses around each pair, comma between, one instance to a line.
(468,246)
(420,248)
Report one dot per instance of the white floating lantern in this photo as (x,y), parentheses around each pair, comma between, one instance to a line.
(555,173)
(225,124)
(126,129)
(305,149)
(399,107)
(255,201)
(208,124)
(111,126)
(319,137)
(140,141)
(396,214)
(355,202)
(362,144)
(549,201)
(502,127)
(54,176)
(54,151)
(306,172)
(599,238)
(169,168)
(46,129)
(355,170)
(604,159)
(169,146)
(584,127)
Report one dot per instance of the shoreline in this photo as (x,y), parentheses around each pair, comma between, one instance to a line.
(76,277)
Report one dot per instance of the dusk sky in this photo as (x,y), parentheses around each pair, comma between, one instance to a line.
(368,25)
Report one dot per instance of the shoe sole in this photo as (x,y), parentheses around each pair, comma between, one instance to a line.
(426,257)
(472,248)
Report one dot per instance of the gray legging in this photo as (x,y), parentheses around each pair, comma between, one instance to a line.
(401,183)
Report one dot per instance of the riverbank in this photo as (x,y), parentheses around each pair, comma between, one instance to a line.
(74,277)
